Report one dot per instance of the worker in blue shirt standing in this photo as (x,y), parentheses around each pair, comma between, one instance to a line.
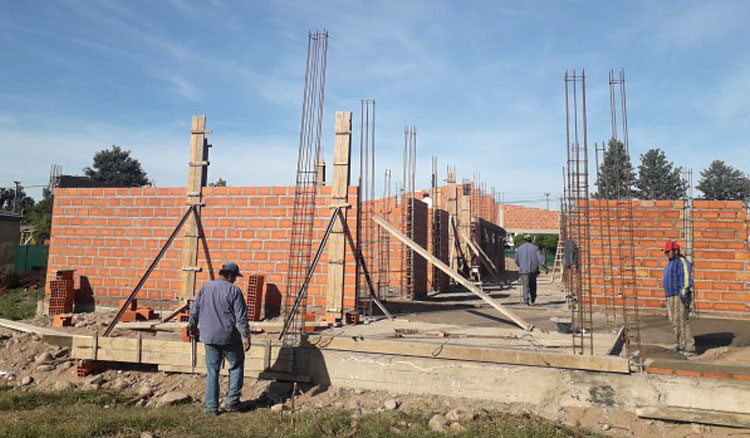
(678,289)
(219,316)
(529,259)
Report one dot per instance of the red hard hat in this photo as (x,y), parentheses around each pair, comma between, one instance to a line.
(671,245)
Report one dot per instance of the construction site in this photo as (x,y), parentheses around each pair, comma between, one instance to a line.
(372,290)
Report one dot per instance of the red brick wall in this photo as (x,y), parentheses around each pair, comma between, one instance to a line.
(397,259)
(437,279)
(721,253)
(518,217)
(110,236)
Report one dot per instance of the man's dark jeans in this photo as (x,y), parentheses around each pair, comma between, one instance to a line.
(215,354)
(529,287)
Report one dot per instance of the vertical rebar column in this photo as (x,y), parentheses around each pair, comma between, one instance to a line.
(605,238)
(303,215)
(577,212)
(384,241)
(624,213)
(436,225)
(410,156)
(687,226)
(365,225)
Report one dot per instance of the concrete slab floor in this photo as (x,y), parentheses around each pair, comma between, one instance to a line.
(460,318)
(473,322)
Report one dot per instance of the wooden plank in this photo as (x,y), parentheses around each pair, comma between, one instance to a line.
(28,328)
(194,190)
(458,278)
(451,207)
(249,373)
(342,146)
(134,350)
(692,415)
(281,359)
(473,353)
(464,220)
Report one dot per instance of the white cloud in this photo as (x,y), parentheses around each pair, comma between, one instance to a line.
(183,87)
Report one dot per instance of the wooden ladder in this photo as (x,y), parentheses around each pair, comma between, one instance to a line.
(557,267)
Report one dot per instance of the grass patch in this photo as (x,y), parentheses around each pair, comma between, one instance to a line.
(17,304)
(99,414)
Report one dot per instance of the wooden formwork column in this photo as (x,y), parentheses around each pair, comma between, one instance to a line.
(342,147)
(451,206)
(464,220)
(197,176)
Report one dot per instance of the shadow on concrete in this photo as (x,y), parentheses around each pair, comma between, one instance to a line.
(709,341)
(492,317)
(304,364)
(406,307)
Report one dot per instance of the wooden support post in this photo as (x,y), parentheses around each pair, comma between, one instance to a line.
(451,206)
(464,221)
(342,147)
(197,175)
(459,279)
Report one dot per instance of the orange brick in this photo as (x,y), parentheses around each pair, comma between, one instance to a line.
(716,375)
(687,373)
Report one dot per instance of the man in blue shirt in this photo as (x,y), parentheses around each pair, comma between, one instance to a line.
(678,290)
(529,258)
(219,315)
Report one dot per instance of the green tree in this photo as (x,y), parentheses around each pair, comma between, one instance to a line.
(40,217)
(9,198)
(723,182)
(543,241)
(658,178)
(219,183)
(615,176)
(115,167)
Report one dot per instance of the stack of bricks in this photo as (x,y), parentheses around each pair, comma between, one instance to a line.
(61,293)
(721,253)
(111,235)
(254,296)
(133,313)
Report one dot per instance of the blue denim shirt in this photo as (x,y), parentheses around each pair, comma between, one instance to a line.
(220,313)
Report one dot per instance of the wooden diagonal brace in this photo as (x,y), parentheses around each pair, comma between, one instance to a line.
(453,274)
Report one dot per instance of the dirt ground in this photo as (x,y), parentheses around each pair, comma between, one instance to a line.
(20,358)
(24,356)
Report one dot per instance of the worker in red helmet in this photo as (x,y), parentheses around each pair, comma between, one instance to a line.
(678,289)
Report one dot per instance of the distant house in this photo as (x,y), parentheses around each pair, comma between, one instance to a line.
(10,235)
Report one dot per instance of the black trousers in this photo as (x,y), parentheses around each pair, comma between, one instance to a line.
(529,286)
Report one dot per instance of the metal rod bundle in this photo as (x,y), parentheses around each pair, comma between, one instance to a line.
(366,227)
(577,211)
(303,216)
(623,193)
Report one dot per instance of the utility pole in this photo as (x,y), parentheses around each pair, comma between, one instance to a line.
(15,197)
(546,195)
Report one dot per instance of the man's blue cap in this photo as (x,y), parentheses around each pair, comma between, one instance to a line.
(231,268)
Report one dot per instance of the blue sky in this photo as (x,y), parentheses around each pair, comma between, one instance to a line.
(481,80)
